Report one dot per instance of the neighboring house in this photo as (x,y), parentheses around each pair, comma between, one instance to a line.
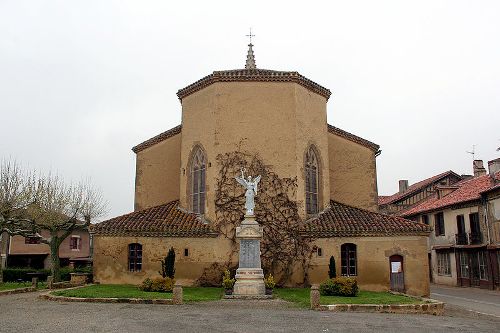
(464,247)
(275,122)
(408,196)
(29,252)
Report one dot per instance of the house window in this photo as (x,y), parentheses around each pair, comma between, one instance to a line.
(444,267)
(312,181)
(425,219)
(32,240)
(75,243)
(348,260)
(197,180)
(134,257)
(186,252)
(439,224)
(483,265)
(319,252)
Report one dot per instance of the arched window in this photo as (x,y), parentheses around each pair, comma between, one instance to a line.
(348,260)
(197,181)
(312,181)
(134,257)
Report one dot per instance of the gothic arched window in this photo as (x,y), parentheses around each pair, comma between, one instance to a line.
(312,181)
(197,180)
(348,263)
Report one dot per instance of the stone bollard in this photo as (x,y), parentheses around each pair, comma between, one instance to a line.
(50,280)
(177,294)
(34,283)
(314,296)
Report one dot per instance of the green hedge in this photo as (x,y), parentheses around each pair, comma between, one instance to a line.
(341,286)
(14,274)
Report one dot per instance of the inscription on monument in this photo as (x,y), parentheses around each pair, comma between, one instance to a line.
(249,253)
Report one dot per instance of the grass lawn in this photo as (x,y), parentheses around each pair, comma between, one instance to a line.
(301,297)
(191,294)
(17,285)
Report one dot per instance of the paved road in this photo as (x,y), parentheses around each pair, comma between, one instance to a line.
(471,299)
(26,313)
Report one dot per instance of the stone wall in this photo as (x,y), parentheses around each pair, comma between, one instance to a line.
(157,173)
(353,173)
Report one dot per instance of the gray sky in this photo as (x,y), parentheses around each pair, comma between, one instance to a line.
(81,82)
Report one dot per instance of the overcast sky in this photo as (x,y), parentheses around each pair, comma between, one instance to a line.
(81,82)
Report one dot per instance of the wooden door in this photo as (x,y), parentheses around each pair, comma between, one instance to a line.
(397,273)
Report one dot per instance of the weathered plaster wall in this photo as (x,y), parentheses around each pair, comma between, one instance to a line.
(373,261)
(276,120)
(111,257)
(450,225)
(353,173)
(450,280)
(157,173)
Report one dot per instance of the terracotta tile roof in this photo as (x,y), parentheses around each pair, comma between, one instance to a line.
(352,137)
(253,75)
(388,199)
(161,221)
(345,221)
(469,190)
(160,137)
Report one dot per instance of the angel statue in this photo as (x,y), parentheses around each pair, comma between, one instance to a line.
(251,191)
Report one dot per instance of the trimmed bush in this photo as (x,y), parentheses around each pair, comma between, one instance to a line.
(227,282)
(340,286)
(332,271)
(158,284)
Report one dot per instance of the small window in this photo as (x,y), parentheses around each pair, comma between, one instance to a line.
(439,224)
(32,240)
(425,219)
(186,252)
(483,265)
(75,243)
(135,257)
(320,252)
(444,267)
(348,260)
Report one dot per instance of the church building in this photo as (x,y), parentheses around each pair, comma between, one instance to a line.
(317,197)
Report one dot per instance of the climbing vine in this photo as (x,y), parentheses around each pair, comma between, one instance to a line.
(282,247)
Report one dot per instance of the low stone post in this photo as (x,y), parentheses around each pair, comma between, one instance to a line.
(34,283)
(50,280)
(177,294)
(314,296)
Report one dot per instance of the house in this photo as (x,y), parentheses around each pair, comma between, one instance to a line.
(464,247)
(317,197)
(19,251)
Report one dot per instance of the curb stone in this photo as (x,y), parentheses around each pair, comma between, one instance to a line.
(17,291)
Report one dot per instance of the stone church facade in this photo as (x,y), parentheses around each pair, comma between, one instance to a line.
(230,119)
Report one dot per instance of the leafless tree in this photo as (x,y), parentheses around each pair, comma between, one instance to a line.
(48,209)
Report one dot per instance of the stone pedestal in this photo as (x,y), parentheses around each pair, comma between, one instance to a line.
(249,275)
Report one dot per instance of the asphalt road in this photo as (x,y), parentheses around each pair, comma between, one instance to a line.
(471,299)
(26,313)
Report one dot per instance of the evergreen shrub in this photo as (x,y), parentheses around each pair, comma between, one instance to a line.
(341,286)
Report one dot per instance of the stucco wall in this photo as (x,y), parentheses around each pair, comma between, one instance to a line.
(111,257)
(373,261)
(157,173)
(353,173)
(450,225)
(276,120)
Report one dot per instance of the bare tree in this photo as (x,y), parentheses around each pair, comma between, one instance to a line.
(48,209)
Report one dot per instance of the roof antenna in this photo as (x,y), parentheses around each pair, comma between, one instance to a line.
(473,152)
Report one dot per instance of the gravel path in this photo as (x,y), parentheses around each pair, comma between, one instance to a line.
(27,313)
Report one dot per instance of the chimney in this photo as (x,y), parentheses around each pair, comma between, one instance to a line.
(493,166)
(403,185)
(477,166)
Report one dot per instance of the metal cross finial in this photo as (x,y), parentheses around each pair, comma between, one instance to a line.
(250,35)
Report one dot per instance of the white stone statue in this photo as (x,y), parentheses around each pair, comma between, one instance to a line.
(251,191)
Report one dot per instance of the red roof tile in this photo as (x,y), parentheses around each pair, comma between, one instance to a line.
(344,221)
(388,199)
(253,75)
(161,221)
(468,190)
(352,137)
(156,139)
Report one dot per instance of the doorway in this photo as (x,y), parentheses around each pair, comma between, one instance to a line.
(397,273)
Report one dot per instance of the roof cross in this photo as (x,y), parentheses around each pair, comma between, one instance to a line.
(250,35)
